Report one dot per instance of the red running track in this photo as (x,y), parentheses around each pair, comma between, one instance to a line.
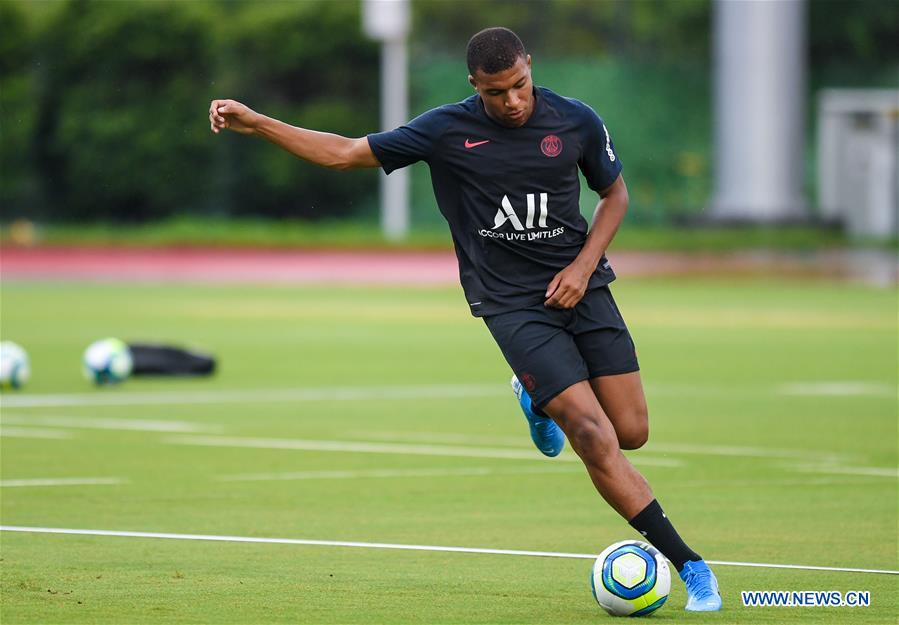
(229,265)
(388,267)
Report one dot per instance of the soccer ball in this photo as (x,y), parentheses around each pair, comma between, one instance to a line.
(107,361)
(630,578)
(14,367)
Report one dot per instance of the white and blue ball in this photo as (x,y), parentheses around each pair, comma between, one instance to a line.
(107,361)
(14,366)
(630,578)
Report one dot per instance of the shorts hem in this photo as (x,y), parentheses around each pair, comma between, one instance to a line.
(630,368)
(555,393)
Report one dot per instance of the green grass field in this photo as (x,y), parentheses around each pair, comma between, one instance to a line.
(774,440)
(363,233)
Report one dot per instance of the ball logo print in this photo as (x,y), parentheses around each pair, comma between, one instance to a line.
(551,146)
(630,578)
(629,570)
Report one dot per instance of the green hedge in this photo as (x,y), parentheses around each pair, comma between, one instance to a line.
(104,107)
(19,188)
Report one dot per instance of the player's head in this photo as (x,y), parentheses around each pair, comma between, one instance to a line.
(500,70)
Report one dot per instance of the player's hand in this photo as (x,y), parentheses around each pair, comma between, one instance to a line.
(568,286)
(232,115)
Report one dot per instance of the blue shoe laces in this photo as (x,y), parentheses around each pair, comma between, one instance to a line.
(698,581)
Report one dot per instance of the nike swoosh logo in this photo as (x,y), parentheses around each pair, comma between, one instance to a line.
(469,144)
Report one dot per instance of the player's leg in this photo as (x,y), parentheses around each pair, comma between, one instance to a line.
(611,358)
(542,350)
(595,440)
(622,399)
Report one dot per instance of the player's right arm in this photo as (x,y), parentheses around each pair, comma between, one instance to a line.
(322,148)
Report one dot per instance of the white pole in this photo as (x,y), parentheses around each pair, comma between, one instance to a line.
(394,112)
(388,21)
(760,94)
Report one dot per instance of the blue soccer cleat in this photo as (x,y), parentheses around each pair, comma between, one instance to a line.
(547,436)
(702,587)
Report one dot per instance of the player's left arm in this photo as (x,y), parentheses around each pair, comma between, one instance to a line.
(569,285)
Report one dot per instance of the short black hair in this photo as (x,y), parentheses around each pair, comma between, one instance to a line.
(494,49)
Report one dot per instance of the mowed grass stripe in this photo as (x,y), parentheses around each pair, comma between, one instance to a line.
(860,388)
(63,481)
(390,448)
(701,449)
(391,473)
(840,388)
(888,472)
(26,432)
(368,545)
(334,393)
(472,452)
(92,423)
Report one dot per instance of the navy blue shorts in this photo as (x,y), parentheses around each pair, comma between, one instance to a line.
(550,349)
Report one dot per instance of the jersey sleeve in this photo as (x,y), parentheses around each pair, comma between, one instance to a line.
(599,162)
(408,144)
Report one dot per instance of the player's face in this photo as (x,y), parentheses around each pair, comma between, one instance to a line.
(508,96)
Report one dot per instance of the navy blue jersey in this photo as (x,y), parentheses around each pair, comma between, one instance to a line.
(509,195)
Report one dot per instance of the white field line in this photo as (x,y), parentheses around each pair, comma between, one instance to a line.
(364,545)
(411,392)
(333,393)
(63,481)
(95,423)
(744,452)
(652,447)
(804,482)
(452,438)
(832,469)
(840,388)
(389,473)
(15,432)
(391,448)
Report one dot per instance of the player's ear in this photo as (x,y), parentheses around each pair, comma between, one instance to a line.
(472,82)
(528,59)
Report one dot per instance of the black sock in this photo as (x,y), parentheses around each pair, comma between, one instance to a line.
(657,529)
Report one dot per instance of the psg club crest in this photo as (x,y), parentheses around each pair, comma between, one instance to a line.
(529,382)
(551,146)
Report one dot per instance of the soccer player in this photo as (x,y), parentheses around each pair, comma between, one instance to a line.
(504,166)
